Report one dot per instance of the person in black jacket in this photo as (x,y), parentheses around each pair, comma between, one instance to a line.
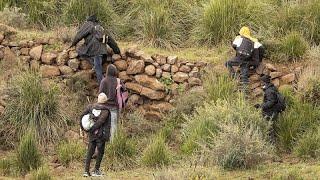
(269,106)
(95,43)
(98,134)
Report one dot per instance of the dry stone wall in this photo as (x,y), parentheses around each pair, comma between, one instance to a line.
(153,81)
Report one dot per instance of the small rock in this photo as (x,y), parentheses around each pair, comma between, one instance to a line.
(48,58)
(275,75)
(36,52)
(149,82)
(73,54)
(25,51)
(166,75)
(180,77)
(166,67)
(49,71)
(158,73)
(174,69)
(65,70)
(153,116)
(289,78)
(135,67)
(135,99)
(147,59)
(74,64)
(116,57)
(62,58)
(152,94)
(134,87)
(85,65)
(276,82)
(194,81)
(185,69)
(34,65)
(124,77)
(121,65)
(161,60)
(271,67)
(150,70)
(85,75)
(172,59)
(9,55)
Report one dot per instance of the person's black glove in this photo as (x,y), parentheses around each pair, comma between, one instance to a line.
(257,106)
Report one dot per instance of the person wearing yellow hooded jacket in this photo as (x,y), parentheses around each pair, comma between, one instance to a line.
(249,53)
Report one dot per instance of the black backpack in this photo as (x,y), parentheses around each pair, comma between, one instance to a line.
(99,33)
(281,104)
(245,50)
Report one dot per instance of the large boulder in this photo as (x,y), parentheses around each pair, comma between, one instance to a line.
(161,60)
(275,75)
(174,69)
(36,52)
(121,65)
(85,75)
(48,58)
(135,67)
(149,82)
(147,59)
(74,64)
(124,76)
(185,69)
(152,94)
(180,77)
(49,71)
(135,99)
(166,67)
(62,58)
(134,87)
(194,81)
(289,78)
(73,54)
(150,70)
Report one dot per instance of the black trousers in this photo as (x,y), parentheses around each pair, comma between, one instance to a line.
(244,68)
(100,145)
(273,117)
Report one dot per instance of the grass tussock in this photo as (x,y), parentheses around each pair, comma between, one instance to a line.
(41,174)
(294,46)
(308,146)
(32,107)
(69,152)
(157,153)
(28,156)
(309,84)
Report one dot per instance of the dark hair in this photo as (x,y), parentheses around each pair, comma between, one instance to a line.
(93,18)
(112,71)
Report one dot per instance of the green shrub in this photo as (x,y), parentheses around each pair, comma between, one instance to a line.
(206,121)
(32,106)
(236,147)
(294,46)
(70,151)
(309,84)
(157,153)
(222,19)
(77,11)
(28,155)
(41,174)
(13,17)
(294,121)
(308,146)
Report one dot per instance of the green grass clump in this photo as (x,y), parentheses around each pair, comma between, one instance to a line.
(236,147)
(32,106)
(157,153)
(41,174)
(308,146)
(309,84)
(296,120)
(76,12)
(294,46)
(70,151)
(28,155)
(8,166)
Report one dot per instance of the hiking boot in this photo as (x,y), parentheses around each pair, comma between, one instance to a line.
(97,173)
(86,174)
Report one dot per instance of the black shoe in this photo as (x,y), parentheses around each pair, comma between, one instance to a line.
(97,173)
(86,174)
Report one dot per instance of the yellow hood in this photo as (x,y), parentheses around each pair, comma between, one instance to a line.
(245,32)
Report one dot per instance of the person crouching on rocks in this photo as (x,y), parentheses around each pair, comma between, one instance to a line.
(98,132)
(95,44)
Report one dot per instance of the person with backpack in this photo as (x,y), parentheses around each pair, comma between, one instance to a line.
(273,104)
(249,53)
(117,94)
(95,44)
(96,122)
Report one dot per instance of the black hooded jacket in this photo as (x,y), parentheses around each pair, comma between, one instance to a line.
(270,100)
(92,47)
(101,128)
(108,86)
